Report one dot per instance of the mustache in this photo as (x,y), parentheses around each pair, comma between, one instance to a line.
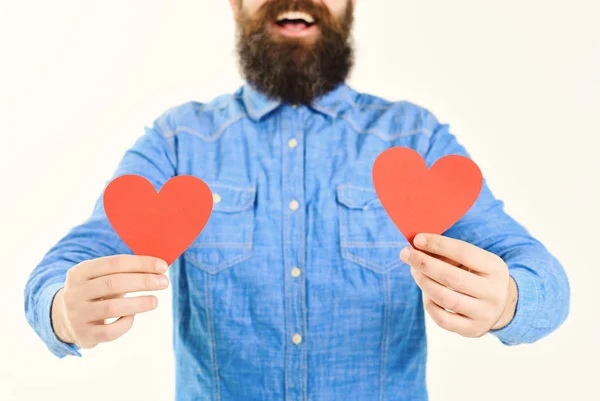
(270,10)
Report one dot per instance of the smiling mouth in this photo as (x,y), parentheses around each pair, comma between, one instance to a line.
(295,23)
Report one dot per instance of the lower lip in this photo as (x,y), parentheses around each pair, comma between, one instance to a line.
(296,33)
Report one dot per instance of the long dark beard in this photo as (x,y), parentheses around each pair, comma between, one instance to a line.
(293,70)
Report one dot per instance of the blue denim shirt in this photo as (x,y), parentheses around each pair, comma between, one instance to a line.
(295,289)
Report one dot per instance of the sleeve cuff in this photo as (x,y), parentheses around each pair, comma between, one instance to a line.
(56,346)
(527,305)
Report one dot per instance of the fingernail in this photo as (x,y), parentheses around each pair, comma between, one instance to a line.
(420,241)
(163,282)
(161,265)
(405,254)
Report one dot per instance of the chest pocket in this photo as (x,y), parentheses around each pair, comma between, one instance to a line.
(368,236)
(227,237)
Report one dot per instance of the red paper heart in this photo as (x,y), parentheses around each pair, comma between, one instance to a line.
(422,200)
(159,224)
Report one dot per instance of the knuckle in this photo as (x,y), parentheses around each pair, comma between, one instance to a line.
(452,278)
(148,281)
(421,261)
(450,302)
(110,283)
(108,308)
(112,263)
(435,244)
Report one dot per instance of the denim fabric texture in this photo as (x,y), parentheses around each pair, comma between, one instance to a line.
(295,289)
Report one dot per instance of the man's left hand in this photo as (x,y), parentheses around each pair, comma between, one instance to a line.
(466,289)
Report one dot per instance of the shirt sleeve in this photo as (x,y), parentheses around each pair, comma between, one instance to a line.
(153,157)
(543,287)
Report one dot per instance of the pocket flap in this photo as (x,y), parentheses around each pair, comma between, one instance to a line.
(357,197)
(228,198)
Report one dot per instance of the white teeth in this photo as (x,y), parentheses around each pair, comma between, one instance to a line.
(291,15)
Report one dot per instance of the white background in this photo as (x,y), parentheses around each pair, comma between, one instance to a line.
(518,81)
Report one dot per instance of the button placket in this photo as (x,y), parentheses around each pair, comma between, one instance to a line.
(294,248)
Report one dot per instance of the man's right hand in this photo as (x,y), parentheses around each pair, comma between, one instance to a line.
(95,290)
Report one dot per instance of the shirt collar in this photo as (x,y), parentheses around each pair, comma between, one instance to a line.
(331,104)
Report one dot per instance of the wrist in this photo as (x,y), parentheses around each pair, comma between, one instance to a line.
(58,318)
(511,306)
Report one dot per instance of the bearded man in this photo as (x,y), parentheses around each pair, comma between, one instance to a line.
(300,287)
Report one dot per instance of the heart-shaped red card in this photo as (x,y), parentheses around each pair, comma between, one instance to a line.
(422,200)
(159,224)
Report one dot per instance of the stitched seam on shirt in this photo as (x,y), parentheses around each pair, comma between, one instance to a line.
(207,138)
(330,112)
(250,228)
(212,342)
(355,187)
(385,337)
(284,237)
(252,110)
(347,199)
(343,226)
(384,136)
(233,208)
(222,245)
(365,105)
(232,187)
(345,251)
(205,107)
(372,244)
(217,268)
(368,264)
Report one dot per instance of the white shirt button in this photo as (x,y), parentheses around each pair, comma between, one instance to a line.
(216,198)
(296,339)
(292,143)
(294,205)
(294,106)
(296,272)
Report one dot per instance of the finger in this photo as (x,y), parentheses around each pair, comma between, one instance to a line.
(448,320)
(109,332)
(107,321)
(462,252)
(448,299)
(446,274)
(104,266)
(118,307)
(114,284)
